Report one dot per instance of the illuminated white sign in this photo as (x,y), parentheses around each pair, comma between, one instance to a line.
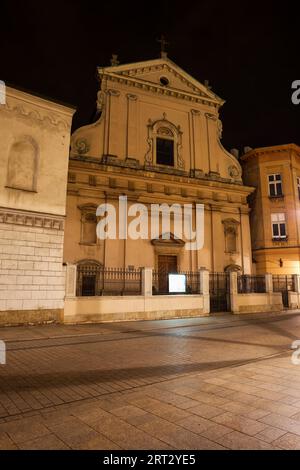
(177,283)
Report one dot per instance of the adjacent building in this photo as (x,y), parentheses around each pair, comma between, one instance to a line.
(275,207)
(34,152)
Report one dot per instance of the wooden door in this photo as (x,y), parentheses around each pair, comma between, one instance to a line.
(166,264)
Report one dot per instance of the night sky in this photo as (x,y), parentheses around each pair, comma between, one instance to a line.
(249,53)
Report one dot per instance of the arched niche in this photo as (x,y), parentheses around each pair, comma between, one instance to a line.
(22,165)
(231,235)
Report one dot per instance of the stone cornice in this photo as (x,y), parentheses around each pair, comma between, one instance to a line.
(265,151)
(37,112)
(161,90)
(118,165)
(162,64)
(31,219)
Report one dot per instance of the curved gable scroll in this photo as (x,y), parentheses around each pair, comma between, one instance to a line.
(22,165)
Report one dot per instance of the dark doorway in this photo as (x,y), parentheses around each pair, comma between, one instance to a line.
(283,284)
(88,285)
(219,292)
(166,264)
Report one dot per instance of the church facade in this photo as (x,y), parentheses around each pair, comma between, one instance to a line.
(156,140)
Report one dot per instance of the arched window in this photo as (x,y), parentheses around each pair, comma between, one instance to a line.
(164,144)
(165,147)
(23,164)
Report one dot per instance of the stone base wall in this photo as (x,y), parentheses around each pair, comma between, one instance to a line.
(129,316)
(259,309)
(294,300)
(31,317)
(256,303)
(108,309)
(32,276)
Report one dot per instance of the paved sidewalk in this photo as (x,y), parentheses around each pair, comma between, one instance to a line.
(223,382)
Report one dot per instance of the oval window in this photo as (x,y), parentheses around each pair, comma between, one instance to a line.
(164,81)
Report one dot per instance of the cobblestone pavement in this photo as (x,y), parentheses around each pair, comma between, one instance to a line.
(223,382)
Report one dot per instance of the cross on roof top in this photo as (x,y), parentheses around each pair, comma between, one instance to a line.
(114,60)
(163,43)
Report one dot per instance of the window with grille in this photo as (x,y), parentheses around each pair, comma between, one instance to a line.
(275,185)
(278,226)
(164,151)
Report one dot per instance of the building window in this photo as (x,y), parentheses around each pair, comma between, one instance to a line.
(164,144)
(298,187)
(278,226)
(164,151)
(275,185)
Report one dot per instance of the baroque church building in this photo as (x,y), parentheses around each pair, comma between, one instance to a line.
(156,140)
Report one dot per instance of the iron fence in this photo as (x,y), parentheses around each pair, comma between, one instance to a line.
(219,291)
(160,282)
(248,284)
(95,280)
(192,281)
(283,282)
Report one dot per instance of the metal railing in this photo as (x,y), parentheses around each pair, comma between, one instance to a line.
(248,284)
(160,282)
(219,291)
(94,280)
(283,283)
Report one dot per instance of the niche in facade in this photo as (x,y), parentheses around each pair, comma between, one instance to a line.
(23,164)
(88,224)
(231,234)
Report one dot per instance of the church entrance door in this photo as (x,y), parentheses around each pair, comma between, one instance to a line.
(166,264)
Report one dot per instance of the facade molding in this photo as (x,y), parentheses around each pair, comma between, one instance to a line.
(31,219)
(160,90)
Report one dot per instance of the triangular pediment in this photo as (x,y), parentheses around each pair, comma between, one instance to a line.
(167,239)
(156,72)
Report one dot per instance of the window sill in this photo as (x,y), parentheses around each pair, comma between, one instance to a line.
(19,188)
(277,197)
(285,239)
(162,165)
